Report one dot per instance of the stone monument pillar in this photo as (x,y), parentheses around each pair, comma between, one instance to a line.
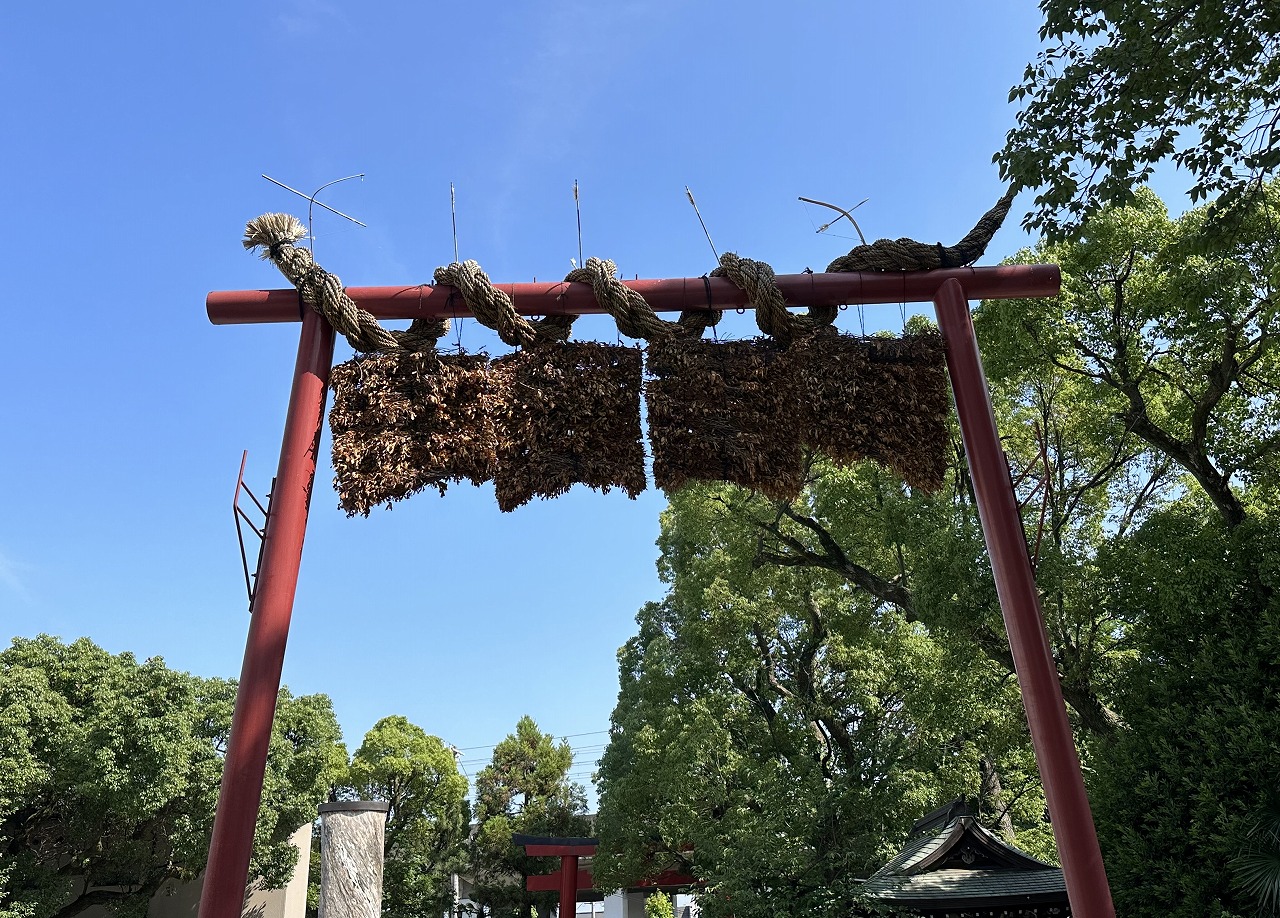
(351,850)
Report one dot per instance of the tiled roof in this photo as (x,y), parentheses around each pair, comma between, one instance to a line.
(931,868)
(969,884)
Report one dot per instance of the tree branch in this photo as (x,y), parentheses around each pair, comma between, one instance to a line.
(832,558)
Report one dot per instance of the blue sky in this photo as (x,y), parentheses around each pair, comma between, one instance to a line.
(135,136)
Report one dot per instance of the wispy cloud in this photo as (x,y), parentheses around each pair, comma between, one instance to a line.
(10,578)
(565,79)
(306,17)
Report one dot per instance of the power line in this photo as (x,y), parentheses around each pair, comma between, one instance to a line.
(580,752)
(564,737)
(484,763)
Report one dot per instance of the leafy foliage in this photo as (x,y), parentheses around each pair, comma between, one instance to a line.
(526,790)
(822,671)
(1122,85)
(429,818)
(109,774)
(658,905)
(1170,331)
(1257,867)
(1179,792)
(778,730)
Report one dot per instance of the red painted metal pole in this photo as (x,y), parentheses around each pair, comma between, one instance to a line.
(1051,737)
(241,793)
(568,886)
(235,307)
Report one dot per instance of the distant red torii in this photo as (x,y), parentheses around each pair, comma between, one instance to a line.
(570,877)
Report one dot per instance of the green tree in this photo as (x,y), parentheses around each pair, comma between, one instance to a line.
(1257,867)
(746,721)
(109,773)
(923,557)
(1122,85)
(1167,329)
(778,729)
(658,905)
(526,790)
(427,824)
(1171,332)
(1180,791)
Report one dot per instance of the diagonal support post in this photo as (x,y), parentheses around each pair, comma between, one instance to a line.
(1051,737)
(222,895)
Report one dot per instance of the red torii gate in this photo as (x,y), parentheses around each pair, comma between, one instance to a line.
(572,877)
(948,289)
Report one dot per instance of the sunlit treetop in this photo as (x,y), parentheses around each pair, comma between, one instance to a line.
(1123,86)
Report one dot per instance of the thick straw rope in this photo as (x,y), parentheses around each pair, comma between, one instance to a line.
(635,317)
(909,255)
(276,234)
(494,309)
(756,279)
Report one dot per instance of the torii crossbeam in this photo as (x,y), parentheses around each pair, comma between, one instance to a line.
(571,877)
(948,289)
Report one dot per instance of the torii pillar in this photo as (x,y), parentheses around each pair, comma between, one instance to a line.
(570,877)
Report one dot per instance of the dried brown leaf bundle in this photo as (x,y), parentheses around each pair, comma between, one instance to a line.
(723,411)
(571,415)
(874,398)
(404,422)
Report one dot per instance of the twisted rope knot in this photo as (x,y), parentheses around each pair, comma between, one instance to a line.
(635,317)
(275,235)
(757,280)
(908,255)
(494,309)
